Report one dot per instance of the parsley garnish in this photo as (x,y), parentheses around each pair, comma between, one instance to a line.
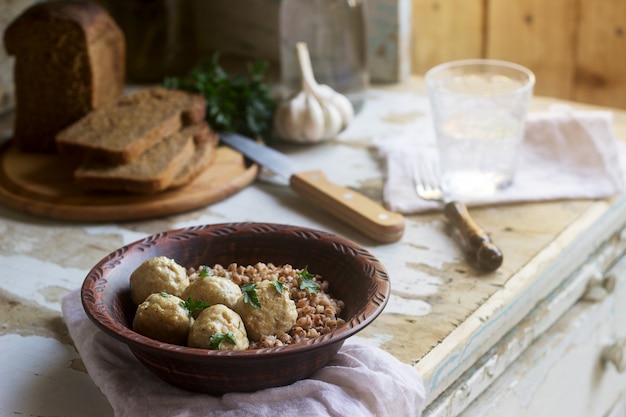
(205,272)
(238,103)
(280,287)
(217,339)
(249,295)
(165,295)
(194,307)
(307,282)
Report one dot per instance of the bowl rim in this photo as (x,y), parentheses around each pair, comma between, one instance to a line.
(96,280)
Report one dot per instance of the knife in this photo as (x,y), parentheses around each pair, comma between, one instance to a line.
(351,207)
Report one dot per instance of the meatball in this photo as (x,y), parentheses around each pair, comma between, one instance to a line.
(277,312)
(216,328)
(162,317)
(158,274)
(214,290)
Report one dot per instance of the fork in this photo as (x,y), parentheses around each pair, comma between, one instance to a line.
(428,187)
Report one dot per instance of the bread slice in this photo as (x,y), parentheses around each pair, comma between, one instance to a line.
(121,132)
(152,171)
(69,60)
(203,157)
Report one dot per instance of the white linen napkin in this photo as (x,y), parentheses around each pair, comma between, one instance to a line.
(358,381)
(566,154)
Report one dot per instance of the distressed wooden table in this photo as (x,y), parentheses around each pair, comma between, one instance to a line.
(469,334)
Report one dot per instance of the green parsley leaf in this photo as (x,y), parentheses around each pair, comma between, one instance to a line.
(280,287)
(164,294)
(205,272)
(194,307)
(249,295)
(240,103)
(217,339)
(307,282)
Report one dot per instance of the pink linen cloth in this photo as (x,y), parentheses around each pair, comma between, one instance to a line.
(566,154)
(358,381)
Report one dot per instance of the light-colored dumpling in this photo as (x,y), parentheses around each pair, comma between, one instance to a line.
(218,320)
(276,315)
(214,290)
(158,274)
(162,317)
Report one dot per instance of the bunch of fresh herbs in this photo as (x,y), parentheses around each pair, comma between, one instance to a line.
(235,103)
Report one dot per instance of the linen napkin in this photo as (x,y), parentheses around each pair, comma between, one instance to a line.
(358,381)
(566,154)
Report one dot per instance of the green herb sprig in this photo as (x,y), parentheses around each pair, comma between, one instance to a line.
(216,339)
(204,272)
(194,307)
(235,103)
(250,295)
(279,286)
(307,281)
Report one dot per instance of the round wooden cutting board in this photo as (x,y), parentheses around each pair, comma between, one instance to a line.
(42,185)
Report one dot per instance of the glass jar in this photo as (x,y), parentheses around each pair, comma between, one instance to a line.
(160,37)
(335,33)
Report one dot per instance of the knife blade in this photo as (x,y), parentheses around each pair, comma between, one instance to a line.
(353,208)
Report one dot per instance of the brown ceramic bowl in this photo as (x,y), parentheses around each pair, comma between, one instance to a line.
(354,276)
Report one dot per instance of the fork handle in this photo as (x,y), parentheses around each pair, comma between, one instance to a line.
(488,255)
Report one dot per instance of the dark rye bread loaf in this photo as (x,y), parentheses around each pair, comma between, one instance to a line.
(154,170)
(69,60)
(121,132)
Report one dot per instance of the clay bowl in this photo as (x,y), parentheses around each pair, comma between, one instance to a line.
(354,275)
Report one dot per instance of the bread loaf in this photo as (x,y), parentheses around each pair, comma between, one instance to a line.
(121,132)
(69,60)
(169,160)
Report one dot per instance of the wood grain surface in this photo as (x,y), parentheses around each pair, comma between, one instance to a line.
(42,185)
(539,35)
(576,49)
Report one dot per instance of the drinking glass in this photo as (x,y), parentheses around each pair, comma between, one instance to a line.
(479,110)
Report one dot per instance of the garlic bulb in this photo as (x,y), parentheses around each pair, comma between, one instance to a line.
(315,113)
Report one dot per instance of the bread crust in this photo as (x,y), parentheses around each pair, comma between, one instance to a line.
(70,59)
(204,156)
(153,171)
(121,132)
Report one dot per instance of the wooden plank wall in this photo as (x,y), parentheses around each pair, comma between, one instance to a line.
(577,48)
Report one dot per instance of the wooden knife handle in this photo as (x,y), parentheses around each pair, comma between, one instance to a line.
(353,208)
(488,255)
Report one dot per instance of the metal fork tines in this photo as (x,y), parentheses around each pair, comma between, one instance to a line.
(428,187)
(426,178)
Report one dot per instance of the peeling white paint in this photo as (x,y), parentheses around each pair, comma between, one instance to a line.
(20,274)
(128,236)
(383,107)
(407,307)
(38,380)
(419,284)
(376,340)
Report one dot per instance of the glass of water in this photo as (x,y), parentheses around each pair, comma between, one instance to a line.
(479,109)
